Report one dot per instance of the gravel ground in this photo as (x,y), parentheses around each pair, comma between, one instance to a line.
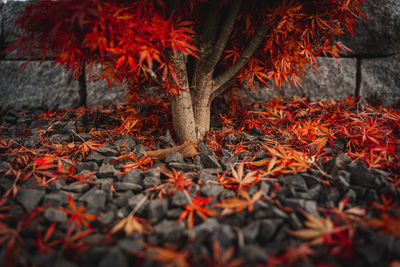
(335,208)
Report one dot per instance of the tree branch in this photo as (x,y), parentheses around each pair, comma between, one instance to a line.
(153,76)
(174,4)
(227,29)
(245,57)
(210,26)
(220,90)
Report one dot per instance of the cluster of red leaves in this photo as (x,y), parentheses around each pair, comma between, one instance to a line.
(132,39)
(129,38)
(298,135)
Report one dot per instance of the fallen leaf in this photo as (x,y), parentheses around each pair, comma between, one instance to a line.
(187,150)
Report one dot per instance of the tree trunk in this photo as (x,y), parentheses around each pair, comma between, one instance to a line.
(181,106)
(191,109)
(201,91)
(183,118)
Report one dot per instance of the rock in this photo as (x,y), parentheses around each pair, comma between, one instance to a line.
(125,141)
(294,221)
(311,194)
(69,128)
(59,138)
(93,256)
(95,156)
(29,198)
(106,218)
(309,206)
(134,177)
(197,161)
(122,186)
(114,257)
(104,183)
(209,161)
(186,167)
(253,255)
(372,253)
(128,245)
(45,260)
(139,150)
(174,157)
(204,149)
(151,177)
(205,230)
(378,34)
(52,214)
(342,160)
(122,212)
(227,194)
(35,85)
(251,231)
(179,199)
(134,201)
(157,209)
(268,228)
(107,170)
(107,150)
(76,188)
(170,231)
(360,175)
(225,236)
(206,177)
(248,137)
(123,199)
(351,195)
(380,82)
(255,131)
(295,182)
(211,190)
(331,195)
(174,213)
(228,161)
(65,263)
(86,166)
(343,179)
(95,199)
(230,139)
(32,141)
(5,184)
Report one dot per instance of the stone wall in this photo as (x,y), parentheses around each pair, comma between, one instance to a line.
(371,71)
(42,84)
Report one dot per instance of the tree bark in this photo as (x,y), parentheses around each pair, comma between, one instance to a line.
(181,105)
(201,92)
(191,109)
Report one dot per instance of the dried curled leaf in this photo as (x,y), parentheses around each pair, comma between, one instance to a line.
(187,150)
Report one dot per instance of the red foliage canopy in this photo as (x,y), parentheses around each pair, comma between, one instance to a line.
(132,39)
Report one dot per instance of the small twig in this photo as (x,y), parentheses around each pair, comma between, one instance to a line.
(78,136)
(240,237)
(138,206)
(322,171)
(188,197)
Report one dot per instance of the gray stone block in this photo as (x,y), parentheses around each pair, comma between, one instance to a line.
(37,85)
(11,11)
(333,80)
(380,81)
(98,92)
(379,33)
(1,17)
